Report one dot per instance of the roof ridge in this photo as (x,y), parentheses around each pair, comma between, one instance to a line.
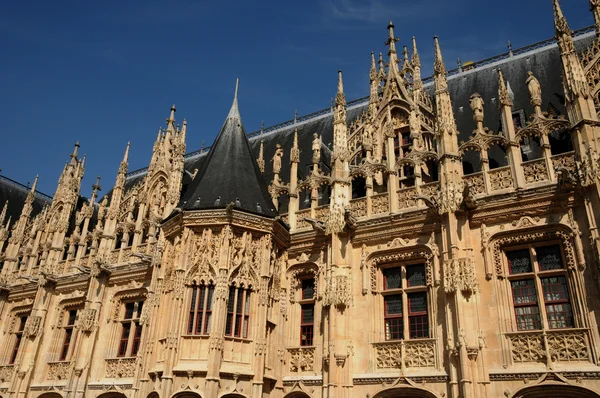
(24,187)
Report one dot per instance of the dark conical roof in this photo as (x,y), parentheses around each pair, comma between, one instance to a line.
(230,173)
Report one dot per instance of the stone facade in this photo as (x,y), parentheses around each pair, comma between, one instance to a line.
(432,283)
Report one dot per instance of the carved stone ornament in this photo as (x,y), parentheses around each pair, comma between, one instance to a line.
(33,326)
(459,275)
(86,320)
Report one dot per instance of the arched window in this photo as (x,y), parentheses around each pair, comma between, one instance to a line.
(200,309)
(238,312)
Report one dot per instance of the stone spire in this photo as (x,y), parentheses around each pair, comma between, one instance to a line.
(579,102)
(416,65)
(391,42)
(340,133)
(171,121)
(595,9)
(119,188)
(230,173)
(445,115)
(25,212)
(375,83)
(3,213)
(416,60)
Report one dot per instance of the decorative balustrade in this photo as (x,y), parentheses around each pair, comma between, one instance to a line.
(565,161)
(380,203)
(406,197)
(59,370)
(535,171)
(558,346)
(501,178)
(430,189)
(302,359)
(6,373)
(406,354)
(358,207)
(118,368)
(300,223)
(476,181)
(322,213)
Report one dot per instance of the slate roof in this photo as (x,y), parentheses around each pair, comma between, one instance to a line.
(543,59)
(230,173)
(16,193)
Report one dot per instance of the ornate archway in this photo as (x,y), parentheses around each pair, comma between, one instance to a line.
(555,390)
(404,392)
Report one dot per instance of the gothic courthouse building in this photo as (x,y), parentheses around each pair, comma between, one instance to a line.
(436,239)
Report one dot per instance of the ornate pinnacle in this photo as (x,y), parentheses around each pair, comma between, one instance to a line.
(503,93)
(438,65)
(560,22)
(340,97)
(373,71)
(261,156)
(75,153)
(295,151)
(95,188)
(391,41)
(3,214)
(416,61)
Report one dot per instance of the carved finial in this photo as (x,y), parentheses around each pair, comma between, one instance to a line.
(261,157)
(75,153)
(459,64)
(35,181)
(95,188)
(535,92)
(3,213)
(509,46)
(126,155)
(391,42)
(296,116)
(416,60)
(503,93)
(172,115)
(405,57)
(262,127)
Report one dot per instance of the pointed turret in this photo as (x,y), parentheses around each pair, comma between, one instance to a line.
(230,172)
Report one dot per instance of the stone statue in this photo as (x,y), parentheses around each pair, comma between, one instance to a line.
(277,159)
(476,103)
(535,90)
(316,148)
(414,122)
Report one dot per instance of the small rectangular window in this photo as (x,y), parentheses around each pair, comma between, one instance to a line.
(549,257)
(308,289)
(307,324)
(415,275)
(417,315)
(394,327)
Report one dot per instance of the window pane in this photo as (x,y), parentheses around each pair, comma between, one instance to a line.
(129,310)
(415,275)
(528,318)
(193,300)
(417,302)
(207,329)
(555,288)
(139,308)
(308,313)
(211,290)
(559,316)
(72,317)
(524,292)
(392,278)
(308,289)
(201,299)
(228,324)
(419,326)
(306,335)
(230,302)
(549,257)
(247,304)
(240,302)
(393,305)
(394,329)
(519,261)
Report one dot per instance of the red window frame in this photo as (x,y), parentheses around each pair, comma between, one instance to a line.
(69,331)
(18,339)
(200,309)
(238,312)
(131,320)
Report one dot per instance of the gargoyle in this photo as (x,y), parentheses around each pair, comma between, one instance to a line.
(565,178)
(469,197)
(350,220)
(316,224)
(146,258)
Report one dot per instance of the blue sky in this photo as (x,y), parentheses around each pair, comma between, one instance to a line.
(104,73)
